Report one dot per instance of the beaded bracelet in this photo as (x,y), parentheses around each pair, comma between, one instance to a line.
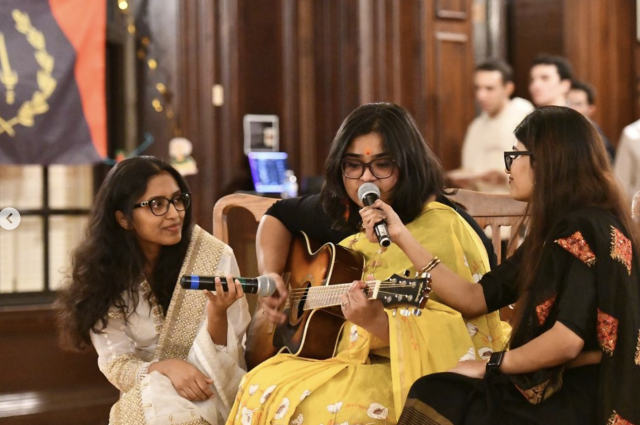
(430,265)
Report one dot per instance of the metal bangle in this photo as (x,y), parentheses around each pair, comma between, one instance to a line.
(430,265)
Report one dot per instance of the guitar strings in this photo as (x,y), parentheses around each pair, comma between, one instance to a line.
(339,286)
(315,298)
(331,293)
(346,285)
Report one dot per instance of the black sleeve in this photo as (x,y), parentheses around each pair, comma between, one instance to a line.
(500,284)
(476,227)
(577,300)
(306,214)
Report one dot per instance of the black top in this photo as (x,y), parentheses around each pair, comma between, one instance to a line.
(306,214)
(587,280)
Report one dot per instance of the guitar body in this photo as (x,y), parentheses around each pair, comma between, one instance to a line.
(307,333)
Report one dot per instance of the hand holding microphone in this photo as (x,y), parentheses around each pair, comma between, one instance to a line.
(369,193)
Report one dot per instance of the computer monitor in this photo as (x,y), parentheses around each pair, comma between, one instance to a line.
(260,133)
(268,171)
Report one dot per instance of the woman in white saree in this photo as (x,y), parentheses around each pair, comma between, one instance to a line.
(176,356)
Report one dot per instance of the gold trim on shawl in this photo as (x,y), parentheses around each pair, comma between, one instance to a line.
(129,409)
(181,324)
(185,310)
(122,371)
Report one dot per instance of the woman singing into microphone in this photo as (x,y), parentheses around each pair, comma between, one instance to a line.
(175,355)
(379,353)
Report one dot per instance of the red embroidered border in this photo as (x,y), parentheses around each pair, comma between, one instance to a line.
(621,248)
(607,332)
(579,248)
(544,309)
(616,419)
(534,395)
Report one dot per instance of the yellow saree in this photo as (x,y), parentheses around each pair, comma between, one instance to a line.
(367,382)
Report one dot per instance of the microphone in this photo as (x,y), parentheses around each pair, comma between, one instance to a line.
(370,193)
(264,286)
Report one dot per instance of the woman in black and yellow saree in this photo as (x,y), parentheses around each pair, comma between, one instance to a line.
(176,355)
(574,355)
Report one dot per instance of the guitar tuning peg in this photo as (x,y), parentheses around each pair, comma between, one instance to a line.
(395,310)
(405,312)
(406,273)
(417,312)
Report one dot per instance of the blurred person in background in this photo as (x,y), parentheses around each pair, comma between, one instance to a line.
(550,80)
(582,98)
(491,133)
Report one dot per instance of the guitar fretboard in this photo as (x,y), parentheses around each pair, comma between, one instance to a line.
(329,296)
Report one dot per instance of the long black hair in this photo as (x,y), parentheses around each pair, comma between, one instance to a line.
(108,263)
(420,172)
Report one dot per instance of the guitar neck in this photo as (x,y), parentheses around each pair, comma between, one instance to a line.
(329,296)
(397,291)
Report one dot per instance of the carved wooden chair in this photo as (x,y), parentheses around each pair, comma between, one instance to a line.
(256,205)
(492,211)
(243,241)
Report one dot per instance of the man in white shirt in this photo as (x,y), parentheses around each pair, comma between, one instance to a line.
(550,80)
(491,133)
(627,164)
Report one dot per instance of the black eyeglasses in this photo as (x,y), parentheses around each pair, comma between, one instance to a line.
(381,168)
(160,205)
(511,155)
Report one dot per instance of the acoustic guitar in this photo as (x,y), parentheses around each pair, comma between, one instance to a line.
(316,279)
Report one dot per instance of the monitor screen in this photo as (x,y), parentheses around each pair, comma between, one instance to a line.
(268,171)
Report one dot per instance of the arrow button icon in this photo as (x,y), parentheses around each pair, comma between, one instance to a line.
(9,218)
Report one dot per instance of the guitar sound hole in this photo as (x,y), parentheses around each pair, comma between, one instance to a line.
(297,307)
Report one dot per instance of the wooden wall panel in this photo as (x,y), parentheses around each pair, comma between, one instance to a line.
(452,9)
(452,96)
(305,140)
(290,99)
(600,41)
(311,63)
(196,115)
(449,70)
(534,26)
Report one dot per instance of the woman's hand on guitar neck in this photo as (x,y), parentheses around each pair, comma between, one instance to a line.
(364,312)
(272,306)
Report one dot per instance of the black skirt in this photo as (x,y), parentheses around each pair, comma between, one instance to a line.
(453,399)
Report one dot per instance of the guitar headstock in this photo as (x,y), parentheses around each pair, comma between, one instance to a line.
(400,291)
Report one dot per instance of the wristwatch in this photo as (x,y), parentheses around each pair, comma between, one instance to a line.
(495,361)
